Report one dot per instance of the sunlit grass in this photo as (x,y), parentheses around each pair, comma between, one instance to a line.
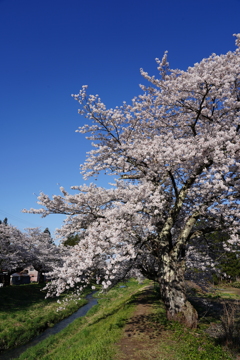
(96,336)
(93,336)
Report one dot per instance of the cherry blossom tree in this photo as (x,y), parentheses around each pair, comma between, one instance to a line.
(174,152)
(13,253)
(44,254)
(33,247)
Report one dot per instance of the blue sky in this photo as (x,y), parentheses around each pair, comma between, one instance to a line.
(50,48)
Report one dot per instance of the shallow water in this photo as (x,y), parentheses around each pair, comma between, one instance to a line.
(15,353)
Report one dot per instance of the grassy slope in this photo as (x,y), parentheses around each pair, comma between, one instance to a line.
(24,313)
(91,337)
(97,336)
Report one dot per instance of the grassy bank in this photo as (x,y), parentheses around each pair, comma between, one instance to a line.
(93,336)
(24,313)
(104,335)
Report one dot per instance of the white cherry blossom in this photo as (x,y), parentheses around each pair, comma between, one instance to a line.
(175,155)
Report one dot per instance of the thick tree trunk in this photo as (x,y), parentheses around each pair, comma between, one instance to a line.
(172,289)
(41,278)
(6,280)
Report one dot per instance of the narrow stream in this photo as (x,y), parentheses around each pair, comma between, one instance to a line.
(15,353)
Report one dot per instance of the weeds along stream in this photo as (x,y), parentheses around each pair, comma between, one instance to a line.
(27,318)
(93,335)
(16,352)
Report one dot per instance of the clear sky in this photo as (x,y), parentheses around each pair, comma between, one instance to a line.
(50,48)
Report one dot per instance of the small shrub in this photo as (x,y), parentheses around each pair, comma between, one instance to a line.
(236,284)
(230,325)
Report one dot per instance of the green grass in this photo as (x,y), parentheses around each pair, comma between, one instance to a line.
(24,313)
(96,335)
(93,336)
(187,344)
(235,284)
(174,341)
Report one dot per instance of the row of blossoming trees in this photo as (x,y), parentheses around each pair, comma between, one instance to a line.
(33,247)
(175,155)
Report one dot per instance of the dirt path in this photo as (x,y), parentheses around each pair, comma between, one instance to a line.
(141,335)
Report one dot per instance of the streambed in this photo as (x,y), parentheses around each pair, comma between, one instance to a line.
(15,353)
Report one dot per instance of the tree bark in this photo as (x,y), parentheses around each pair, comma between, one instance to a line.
(173,293)
(6,280)
(41,278)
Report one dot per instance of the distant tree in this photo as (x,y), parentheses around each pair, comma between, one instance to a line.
(47,231)
(30,248)
(72,240)
(230,265)
(45,255)
(13,254)
(228,262)
(5,221)
(219,264)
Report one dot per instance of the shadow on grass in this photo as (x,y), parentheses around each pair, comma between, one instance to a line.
(152,324)
(134,300)
(146,324)
(14,298)
(20,297)
(219,318)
